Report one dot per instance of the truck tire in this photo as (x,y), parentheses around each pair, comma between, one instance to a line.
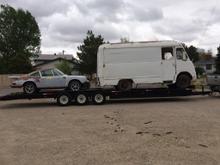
(29,88)
(183,81)
(124,85)
(98,98)
(63,99)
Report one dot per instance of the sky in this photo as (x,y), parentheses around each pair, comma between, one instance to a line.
(64,23)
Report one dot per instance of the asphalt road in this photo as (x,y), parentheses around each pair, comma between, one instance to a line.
(154,131)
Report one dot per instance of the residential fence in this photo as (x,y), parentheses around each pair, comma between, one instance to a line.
(5,81)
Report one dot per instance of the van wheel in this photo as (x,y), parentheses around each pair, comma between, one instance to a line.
(124,85)
(183,81)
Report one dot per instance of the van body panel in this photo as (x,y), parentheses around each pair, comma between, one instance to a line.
(142,62)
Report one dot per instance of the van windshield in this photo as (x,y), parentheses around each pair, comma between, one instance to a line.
(181,54)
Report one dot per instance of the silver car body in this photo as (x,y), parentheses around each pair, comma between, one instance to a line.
(48,78)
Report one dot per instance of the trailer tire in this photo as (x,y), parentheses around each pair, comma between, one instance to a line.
(124,85)
(63,99)
(98,98)
(81,99)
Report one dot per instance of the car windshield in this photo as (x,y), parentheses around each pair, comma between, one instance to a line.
(57,72)
(35,74)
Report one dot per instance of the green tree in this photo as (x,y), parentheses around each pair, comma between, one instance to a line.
(87,55)
(65,67)
(192,52)
(124,40)
(19,40)
(217,61)
(199,71)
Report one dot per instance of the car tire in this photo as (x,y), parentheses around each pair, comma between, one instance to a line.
(124,85)
(74,85)
(29,88)
(183,81)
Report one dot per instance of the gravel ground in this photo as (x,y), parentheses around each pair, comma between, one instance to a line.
(181,131)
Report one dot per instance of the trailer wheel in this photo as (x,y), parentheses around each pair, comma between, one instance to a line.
(63,99)
(98,98)
(81,99)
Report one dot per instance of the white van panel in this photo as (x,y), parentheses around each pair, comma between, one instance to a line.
(138,64)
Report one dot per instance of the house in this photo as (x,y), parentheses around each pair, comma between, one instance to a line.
(44,61)
(207,64)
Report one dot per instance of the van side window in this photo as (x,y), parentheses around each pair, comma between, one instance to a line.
(167,53)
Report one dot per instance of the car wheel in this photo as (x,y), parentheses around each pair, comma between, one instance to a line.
(74,85)
(29,88)
(124,85)
(183,81)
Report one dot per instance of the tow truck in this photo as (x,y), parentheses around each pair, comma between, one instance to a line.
(101,95)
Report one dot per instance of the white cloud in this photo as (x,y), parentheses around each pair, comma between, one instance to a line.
(64,23)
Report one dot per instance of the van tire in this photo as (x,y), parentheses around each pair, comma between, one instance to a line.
(183,81)
(124,85)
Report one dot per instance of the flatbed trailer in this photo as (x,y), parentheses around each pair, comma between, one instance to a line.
(100,95)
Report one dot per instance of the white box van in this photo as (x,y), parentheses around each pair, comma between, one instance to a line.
(158,62)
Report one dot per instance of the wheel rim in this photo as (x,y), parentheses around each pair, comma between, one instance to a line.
(81,99)
(29,88)
(75,86)
(64,99)
(99,98)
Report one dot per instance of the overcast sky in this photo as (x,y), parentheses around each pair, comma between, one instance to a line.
(64,23)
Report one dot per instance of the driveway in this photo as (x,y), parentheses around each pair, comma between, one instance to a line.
(155,131)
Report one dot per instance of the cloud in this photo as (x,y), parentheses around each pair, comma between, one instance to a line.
(40,8)
(64,23)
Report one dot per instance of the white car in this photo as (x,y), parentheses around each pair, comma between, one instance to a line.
(50,79)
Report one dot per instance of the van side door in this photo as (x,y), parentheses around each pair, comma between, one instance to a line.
(168,64)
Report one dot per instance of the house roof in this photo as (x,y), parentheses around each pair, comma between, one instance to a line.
(204,62)
(51,57)
(43,62)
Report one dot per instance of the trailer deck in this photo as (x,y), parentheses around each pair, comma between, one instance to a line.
(100,95)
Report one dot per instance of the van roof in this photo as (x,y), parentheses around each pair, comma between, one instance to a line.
(142,44)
